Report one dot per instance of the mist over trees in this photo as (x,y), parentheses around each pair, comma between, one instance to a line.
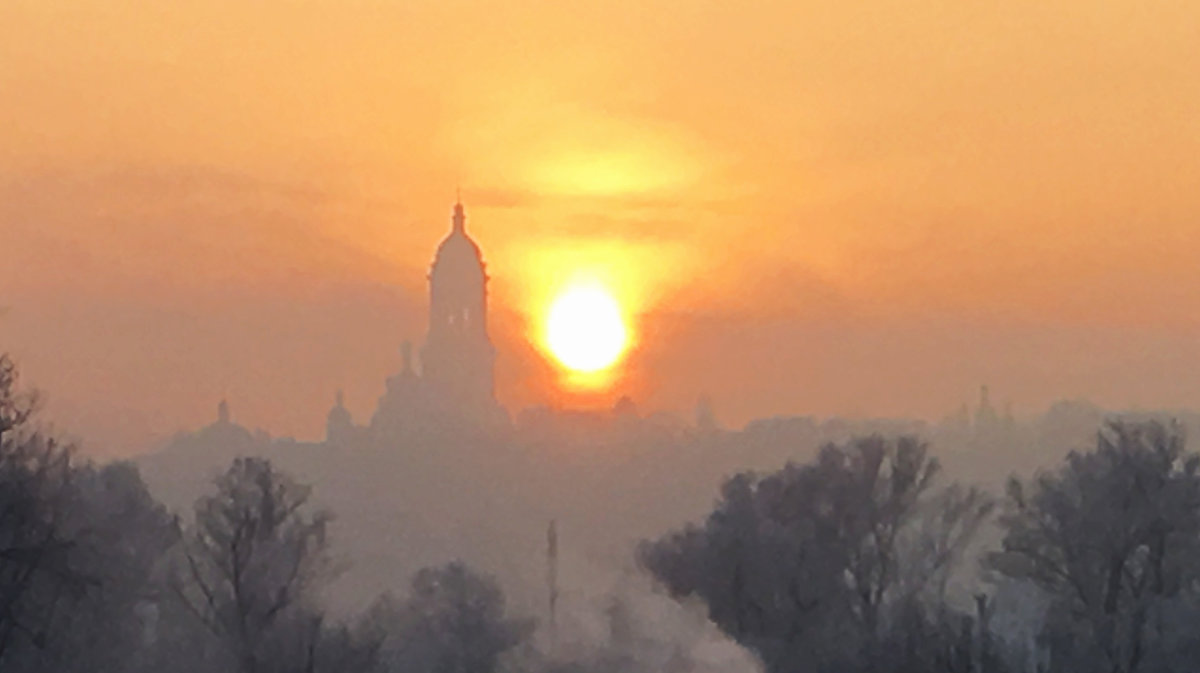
(868,556)
(96,575)
(843,564)
(826,566)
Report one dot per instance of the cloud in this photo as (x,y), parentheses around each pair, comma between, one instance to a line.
(178,225)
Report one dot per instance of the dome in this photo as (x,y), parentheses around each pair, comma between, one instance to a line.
(458,251)
(339,415)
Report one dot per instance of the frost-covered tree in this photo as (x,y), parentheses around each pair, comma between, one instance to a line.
(1112,538)
(806,565)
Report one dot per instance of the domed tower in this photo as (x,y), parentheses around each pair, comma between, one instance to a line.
(339,426)
(458,357)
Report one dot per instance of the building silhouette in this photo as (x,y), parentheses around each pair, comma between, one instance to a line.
(452,387)
(339,425)
(458,358)
(455,383)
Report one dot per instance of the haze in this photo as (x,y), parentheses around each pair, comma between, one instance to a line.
(848,209)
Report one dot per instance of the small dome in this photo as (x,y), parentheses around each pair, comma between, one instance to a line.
(339,416)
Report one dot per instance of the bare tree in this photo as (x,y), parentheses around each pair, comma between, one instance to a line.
(930,548)
(876,488)
(1111,537)
(251,561)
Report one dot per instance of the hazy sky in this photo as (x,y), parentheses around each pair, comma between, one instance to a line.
(814,207)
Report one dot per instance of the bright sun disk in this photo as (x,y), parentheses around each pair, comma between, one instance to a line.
(585,329)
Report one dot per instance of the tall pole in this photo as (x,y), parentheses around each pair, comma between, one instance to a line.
(552,578)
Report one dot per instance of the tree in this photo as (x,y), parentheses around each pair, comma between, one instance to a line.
(121,535)
(252,559)
(875,487)
(1110,537)
(40,565)
(453,621)
(803,565)
(930,546)
(15,408)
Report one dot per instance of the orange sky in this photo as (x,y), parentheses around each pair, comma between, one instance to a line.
(813,208)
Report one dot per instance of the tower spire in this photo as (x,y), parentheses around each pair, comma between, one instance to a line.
(460,218)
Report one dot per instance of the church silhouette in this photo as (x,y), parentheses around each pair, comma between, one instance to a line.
(452,387)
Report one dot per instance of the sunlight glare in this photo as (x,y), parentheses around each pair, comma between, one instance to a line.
(585,329)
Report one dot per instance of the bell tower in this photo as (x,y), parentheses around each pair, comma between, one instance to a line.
(458,358)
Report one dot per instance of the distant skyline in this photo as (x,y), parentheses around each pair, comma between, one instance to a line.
(811,209)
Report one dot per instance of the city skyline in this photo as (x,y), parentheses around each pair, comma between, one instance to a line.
(836,212)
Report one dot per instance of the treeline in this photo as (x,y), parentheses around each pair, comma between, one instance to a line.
(862,560)
(844,564)
(96,576)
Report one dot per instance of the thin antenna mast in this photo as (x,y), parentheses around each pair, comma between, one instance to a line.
(552,578)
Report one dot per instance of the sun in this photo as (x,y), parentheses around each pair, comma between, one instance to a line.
(585,329)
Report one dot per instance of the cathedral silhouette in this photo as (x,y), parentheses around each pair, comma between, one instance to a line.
(453,384)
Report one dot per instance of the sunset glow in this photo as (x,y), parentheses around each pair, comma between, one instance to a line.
(585,329)
(787,192)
